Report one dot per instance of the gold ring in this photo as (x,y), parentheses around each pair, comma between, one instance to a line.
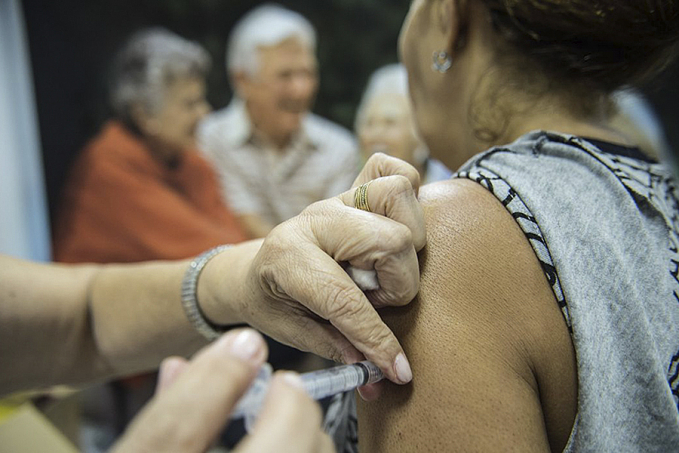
(361,197)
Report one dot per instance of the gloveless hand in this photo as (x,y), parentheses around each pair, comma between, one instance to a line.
(300,293)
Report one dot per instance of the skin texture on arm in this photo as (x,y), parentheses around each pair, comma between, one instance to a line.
(73,324)
(493,363)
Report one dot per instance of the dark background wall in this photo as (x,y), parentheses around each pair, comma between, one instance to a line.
(72,41)
(664,97)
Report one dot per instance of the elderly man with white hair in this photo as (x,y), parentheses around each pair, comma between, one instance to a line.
(274,156)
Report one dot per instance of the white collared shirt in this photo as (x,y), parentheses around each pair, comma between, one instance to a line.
(320,162)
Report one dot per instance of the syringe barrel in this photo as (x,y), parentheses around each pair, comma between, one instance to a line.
(318,384)
(323,383)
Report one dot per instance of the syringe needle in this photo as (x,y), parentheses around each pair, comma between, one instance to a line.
(324,383)
(318,384)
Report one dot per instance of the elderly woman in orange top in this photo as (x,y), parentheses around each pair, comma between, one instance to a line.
(139,191)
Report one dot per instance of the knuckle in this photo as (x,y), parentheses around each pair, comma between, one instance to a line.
(326,350)
(378,336)
(337,355)
(401,186)
(380,164)
(378,159)
(298,336)
(319,210)
(315,208)
(394,190)
(273,246)
(404,286)
(396,238)
(315,218)
(403,296)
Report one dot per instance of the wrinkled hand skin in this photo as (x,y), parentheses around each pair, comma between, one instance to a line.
(300,292)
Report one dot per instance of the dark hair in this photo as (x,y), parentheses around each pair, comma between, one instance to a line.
(606,44)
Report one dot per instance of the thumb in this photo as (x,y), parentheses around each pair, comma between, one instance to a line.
(170,369)
(207,389)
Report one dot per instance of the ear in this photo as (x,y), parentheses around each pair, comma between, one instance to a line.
(452,17)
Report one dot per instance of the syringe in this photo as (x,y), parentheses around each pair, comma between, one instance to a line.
(318,384)
(323,383)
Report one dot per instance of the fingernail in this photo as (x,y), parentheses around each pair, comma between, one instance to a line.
(169,368)
(247,345)
(293,380)
(402,369)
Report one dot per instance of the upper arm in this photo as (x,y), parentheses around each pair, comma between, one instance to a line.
(491,355)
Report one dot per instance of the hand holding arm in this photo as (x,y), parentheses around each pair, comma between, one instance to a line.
(73,324)
(297,292)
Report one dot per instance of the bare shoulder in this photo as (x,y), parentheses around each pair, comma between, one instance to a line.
(492,358)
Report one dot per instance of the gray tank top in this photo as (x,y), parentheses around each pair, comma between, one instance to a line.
(605,227)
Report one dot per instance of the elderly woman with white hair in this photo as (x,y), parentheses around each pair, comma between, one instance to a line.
(139,191)
(384,123)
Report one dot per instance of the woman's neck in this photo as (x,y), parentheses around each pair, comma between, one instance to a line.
(565,124)
(519,124)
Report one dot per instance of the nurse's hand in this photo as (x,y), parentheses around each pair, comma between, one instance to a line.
(194,400)
(299,292)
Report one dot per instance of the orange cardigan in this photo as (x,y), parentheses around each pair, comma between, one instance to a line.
(122,205)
